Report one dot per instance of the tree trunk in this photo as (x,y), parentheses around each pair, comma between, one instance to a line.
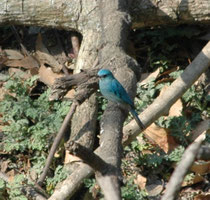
(77,15)
(84,120)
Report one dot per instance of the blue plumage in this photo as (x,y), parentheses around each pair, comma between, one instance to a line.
(112,90)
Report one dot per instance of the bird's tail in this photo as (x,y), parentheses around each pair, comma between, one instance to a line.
(135,115)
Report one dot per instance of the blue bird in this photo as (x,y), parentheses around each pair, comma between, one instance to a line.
(112,90)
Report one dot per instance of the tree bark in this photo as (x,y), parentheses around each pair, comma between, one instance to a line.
(83,125)
(84,120)
(77,15)
(173,12)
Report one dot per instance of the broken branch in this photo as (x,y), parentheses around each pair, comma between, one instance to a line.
(56,142)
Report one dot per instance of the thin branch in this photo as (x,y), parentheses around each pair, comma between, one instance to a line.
(56,142)
(181,170)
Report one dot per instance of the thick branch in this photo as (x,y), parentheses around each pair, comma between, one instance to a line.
(79,15)
(115,25)
(58,14)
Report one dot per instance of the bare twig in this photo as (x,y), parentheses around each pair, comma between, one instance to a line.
(57,142)
(181,170)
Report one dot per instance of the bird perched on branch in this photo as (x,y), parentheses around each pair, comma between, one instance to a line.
(112,90)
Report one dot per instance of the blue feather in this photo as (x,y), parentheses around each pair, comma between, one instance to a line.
(112,90)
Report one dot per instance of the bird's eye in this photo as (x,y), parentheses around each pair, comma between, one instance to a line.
(103,76)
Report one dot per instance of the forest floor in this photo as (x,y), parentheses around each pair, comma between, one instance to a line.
(31,58)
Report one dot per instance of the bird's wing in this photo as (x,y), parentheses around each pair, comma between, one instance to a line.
(121,93)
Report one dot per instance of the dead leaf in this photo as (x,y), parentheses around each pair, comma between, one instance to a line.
(202,197)
(27,62)
(1,128)
(146,77)
(140,181)
(21,73)
(70,94)
(69,158)
(44,56)
(196,179)
(2,93)
(4,165)
(95,191)
(176,108)
(33,174)
(161,137)
(201,167)
(13,54)
(47,76)
(11,174)
(154,189)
